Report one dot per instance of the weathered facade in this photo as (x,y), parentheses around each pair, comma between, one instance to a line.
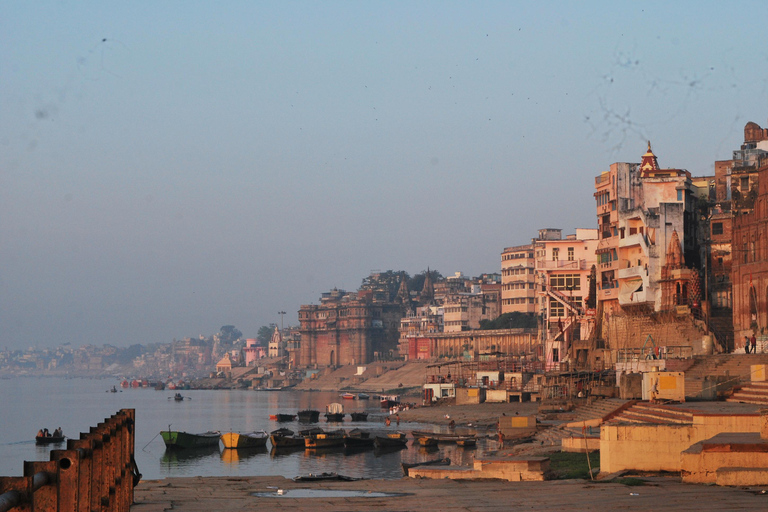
(749,267)
(348,328)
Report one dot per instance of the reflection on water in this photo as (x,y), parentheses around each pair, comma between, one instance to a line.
(77,404)
(236,455)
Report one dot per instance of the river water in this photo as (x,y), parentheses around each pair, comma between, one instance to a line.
(29,404)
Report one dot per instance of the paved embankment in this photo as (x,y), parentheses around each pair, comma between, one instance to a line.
(225,494)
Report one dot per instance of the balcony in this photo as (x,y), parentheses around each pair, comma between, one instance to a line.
(636,239)
(626,272)
(561,265)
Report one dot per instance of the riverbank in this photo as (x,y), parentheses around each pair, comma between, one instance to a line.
(225,494)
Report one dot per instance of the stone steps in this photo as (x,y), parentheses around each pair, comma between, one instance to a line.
(650,413)
(754,393)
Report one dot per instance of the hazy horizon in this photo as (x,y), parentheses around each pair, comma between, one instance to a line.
(169,168)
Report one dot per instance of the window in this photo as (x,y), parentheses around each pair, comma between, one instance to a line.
(679,195)
(565,282)
(570,254)
(555,254)
(717,228)
(744,185)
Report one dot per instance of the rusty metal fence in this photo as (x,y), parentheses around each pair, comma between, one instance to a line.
(95,473)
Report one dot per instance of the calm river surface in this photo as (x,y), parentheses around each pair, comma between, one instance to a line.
(29,404)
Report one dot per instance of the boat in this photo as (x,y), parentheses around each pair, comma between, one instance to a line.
(49,439)
(329,439)
(178,397)
(441,437)
(286,438)
(388,401)
(435,462)
(334,412)
(358,439)
(249,440)
(427,441)
(359,416)
(113,390)
(467,442)
(348,396)
(391,440)
(314,477)
(363,396)
(178,439)
(285,417)
(125,384)
(160,386)
(309,416)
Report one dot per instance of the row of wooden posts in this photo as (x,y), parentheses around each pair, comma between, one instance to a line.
(95,473)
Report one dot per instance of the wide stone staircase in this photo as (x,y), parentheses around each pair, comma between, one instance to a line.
(735,369)
(753,393)
(595,413)
(644,412)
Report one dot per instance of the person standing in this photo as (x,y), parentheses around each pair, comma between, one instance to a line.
(746,344)
(753,342)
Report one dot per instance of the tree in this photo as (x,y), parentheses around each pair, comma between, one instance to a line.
(514,320)
(592,297)
(264,334)
(229,334)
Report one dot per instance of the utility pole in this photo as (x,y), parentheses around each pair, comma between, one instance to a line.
(282,315)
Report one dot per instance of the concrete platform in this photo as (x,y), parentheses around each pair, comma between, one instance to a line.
(725,458)
(227,494)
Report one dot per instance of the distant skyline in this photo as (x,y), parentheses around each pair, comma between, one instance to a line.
(169,168)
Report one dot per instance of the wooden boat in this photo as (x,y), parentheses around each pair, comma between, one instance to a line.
(285,417)
(435,462)
(442,437)
(249,440)
(309,416)
(285,438)
(348,396)
(427,441)
(467,442)
(330,439)
(388,401)
(313,477)
(183,440)
(358,439)
(363,396)
(177,397)
(359,416)
(334,412)
(49,439)
(391,440)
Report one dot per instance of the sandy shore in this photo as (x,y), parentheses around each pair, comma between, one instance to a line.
(483,415)
(224,494)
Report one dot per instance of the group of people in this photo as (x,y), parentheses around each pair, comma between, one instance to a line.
(44,433)
(750,342)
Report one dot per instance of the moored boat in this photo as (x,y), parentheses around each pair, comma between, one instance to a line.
(309,416)
(285,417)
(363,396)
(427,441)
(358,439)
(348,396)
(467,442)
(388,401)
(391,440)
(359,416)
(285,438)
(328,439)
(441,437)
(178,439)
(334,412)
(249,440)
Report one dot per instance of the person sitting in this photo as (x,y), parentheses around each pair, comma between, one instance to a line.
(46,433)
(57,432)
(40,433)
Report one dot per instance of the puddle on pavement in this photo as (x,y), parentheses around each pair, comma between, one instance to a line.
(325,493)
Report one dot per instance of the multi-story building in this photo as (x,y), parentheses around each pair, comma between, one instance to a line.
(563,268)
(518,275)
(348,328)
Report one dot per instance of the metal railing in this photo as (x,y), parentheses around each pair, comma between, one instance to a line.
(95,473)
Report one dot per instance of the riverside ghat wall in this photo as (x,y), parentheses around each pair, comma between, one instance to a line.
(95,472)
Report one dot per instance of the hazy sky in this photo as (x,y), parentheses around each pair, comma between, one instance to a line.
(167,168)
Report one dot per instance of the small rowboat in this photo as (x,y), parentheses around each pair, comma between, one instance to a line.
(249,440)
(284,417)
(358,439)
(49,439)
(176,439)
(359,416)
(436,462)
(325,439)
(309,416)
(334,412)
(391,440)
(348,396)
(285,438)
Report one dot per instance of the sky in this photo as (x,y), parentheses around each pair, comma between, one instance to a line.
(167,168)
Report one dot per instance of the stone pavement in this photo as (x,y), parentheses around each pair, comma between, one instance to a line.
(224,494)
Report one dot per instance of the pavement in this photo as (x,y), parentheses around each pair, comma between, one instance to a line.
(225,494)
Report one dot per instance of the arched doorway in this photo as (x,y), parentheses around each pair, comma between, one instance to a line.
(333,357)
(752,307)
